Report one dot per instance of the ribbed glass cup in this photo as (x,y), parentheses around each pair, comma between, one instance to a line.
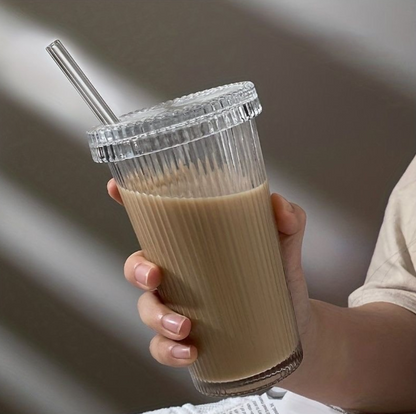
(192,178)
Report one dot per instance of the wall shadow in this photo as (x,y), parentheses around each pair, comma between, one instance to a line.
(330,128)
(8,409)
(83,350)
(335,132)
(61,172)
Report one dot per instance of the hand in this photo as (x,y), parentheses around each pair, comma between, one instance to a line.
(169,346)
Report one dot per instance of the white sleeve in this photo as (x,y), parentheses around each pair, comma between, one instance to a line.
(391,276)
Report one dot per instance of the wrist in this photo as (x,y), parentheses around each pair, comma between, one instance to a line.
(310,333)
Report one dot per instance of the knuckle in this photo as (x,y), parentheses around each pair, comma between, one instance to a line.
(300,213)
(152,343)
(158,351)
(150,313)
(126,275)
(141,305)
(153,348)
(129,264)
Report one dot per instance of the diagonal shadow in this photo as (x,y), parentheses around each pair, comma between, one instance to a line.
(84,351)
(6,408)
(329,128)
(337,133)
(62,173)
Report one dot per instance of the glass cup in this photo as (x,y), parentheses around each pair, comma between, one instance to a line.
(192,178)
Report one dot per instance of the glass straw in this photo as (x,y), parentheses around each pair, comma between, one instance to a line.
(82,84)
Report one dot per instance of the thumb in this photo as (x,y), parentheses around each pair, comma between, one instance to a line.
(113,191)
(291,222)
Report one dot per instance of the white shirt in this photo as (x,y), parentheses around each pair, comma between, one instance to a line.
(391,276)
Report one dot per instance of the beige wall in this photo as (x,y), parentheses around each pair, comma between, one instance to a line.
(337,81)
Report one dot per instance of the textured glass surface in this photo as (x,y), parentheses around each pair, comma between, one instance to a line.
(201,210)
(224,163)
(175,122)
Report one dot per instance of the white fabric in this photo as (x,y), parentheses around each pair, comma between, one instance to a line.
(238,405)
(256,404)
(392,276)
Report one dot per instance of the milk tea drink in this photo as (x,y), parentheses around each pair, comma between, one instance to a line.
(192,178)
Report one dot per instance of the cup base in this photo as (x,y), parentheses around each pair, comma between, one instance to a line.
(254,383)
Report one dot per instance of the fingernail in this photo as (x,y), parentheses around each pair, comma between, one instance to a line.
(141,272)
(172,322)
(181,352)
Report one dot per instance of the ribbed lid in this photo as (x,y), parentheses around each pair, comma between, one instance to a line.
(174,122)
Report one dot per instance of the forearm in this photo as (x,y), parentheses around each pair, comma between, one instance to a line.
(360,358)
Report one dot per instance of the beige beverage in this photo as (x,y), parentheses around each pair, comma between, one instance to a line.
(192,177)
(211,250)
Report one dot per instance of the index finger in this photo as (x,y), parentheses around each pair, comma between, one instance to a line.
(113,191)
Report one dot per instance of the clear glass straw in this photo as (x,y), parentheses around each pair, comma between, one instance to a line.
(82,84)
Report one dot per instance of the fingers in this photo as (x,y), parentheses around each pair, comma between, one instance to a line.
(174,354)
(161,319)
(113,191)
(169,325)
(142,273)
